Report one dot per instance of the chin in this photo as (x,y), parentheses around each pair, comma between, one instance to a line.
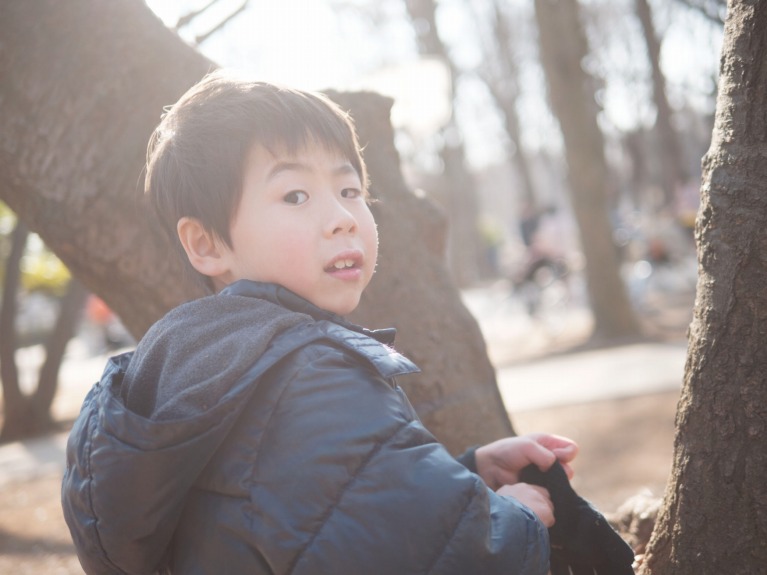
(343,311)
(344,308)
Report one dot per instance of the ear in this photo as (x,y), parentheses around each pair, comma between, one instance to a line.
(206,252)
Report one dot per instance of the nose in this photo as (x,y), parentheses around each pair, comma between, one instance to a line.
(341,220)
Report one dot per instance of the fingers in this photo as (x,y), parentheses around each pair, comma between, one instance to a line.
(534,497)
(499,462)
(563,449)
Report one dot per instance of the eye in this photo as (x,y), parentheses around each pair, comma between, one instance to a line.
(351,193)
(295,197)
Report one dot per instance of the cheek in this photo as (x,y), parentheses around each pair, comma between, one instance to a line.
(293,247)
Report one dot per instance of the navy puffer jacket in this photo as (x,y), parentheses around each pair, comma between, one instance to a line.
(253,433)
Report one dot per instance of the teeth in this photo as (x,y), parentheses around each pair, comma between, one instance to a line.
(341,264)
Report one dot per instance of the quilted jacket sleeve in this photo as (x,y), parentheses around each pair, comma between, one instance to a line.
(346,479)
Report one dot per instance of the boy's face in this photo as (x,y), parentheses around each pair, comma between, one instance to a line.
(303,222)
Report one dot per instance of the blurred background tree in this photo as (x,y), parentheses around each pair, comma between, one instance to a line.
(573,95)
(52,302)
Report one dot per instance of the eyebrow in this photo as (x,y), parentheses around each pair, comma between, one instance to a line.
(342,170)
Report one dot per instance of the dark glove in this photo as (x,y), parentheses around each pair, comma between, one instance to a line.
(582,542)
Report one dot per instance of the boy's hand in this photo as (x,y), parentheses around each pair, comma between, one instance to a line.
(533,496)
(499,462)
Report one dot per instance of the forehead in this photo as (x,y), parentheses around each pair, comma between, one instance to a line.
(310,155)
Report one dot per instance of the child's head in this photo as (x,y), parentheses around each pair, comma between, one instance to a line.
(255,181)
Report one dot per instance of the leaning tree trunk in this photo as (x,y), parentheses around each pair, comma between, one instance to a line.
(434,329)
(84,84)
(714,518)
(571,92)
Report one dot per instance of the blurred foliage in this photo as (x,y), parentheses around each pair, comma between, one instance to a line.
(41,270)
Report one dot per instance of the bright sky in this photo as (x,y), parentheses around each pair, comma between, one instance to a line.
(307,44)
(272,38)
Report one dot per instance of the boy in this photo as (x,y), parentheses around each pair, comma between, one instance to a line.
(256,430)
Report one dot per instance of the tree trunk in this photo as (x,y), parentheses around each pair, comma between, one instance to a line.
(563,49)
(75,118)
(9,373)
(670,155)
(464,246)
(70,312)
(714,518)
(25,415)
(503,86)
(456,396)
(517,156)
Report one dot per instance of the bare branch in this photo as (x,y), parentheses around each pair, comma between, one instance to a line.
(200,38)
(714,10)
(187,18)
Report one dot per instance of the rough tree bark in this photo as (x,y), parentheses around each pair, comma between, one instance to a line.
(83,86)
(563,48)
(84,83)
(714,518)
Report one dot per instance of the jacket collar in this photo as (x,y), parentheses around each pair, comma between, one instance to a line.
(282,296)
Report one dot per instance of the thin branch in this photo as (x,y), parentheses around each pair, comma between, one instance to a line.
(202,37)
(187,18)
(714,10)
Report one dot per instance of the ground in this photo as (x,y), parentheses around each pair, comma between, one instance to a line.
(626,448)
